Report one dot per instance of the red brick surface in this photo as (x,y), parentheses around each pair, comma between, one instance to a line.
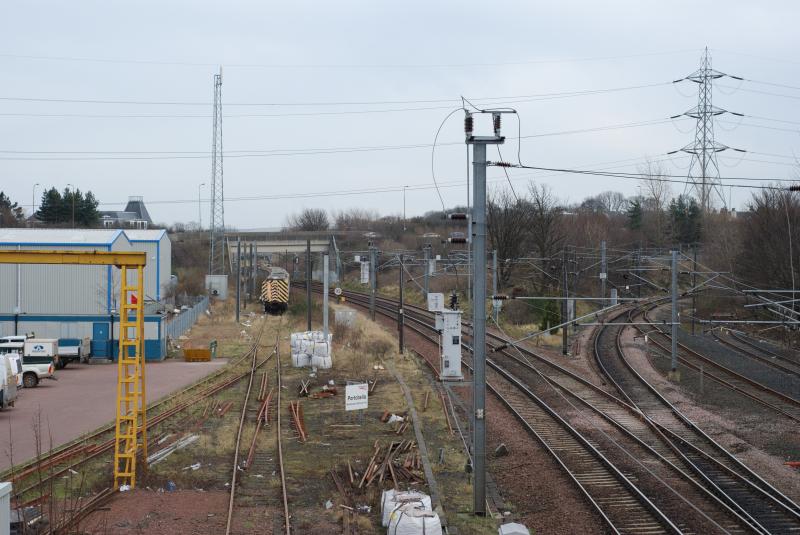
(81,400)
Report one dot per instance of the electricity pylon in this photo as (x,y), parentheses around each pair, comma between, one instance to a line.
(216,262)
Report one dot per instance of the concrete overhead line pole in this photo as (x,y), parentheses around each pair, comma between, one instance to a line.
(373,280)
(425,288)
(495,302)
(325,297)
(673,374)
(478,233)
(238,276)
(694,283)
(401,319)
(308,284)
(565,307)
(603,272)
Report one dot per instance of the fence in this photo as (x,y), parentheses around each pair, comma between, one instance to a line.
(180,323)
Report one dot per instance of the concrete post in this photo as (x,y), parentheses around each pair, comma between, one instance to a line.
(373,278)
(479,325)
(325,296)
(426,251)
(495,309)
(238,276)
(603,273)
(400,312)
(308,284)
(674,291)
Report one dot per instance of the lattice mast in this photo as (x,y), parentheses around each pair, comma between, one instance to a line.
(704,168)
(216,263)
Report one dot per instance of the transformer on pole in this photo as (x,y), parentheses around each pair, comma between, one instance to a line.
(216,263)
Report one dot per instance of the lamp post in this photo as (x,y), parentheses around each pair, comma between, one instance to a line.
(199,208)
(72,194)
(404,207)
(33,199)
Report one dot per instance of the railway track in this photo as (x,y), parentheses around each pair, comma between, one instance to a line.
(717,498)
(614,494)
(55,470)
(778,402)
(250,491)
(765,507)
(760,347)
(764,356)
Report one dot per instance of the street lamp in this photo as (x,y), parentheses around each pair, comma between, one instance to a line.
(199,207)
(33,199)
(72,194)
(404,207)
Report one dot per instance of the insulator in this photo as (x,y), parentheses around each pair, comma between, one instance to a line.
(496,117)
(468,123)
(457,215)
(456,240)
(500,297)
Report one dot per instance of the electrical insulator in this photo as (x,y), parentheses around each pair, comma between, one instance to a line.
(496,117)
(456,240)
(457,215)
(468,123)
(500,297)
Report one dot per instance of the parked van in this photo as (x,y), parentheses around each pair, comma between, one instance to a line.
(8,382)
(36,366)
(16,366)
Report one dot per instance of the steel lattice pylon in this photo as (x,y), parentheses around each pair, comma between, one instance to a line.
(216,262)
(704,169)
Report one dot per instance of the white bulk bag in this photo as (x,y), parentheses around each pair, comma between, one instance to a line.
(413,520)
(300,360)
(393,500)
(323,363)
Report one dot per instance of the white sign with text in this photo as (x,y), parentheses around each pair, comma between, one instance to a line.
(356,397)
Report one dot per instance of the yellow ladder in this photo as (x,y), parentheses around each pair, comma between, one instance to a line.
(131,398)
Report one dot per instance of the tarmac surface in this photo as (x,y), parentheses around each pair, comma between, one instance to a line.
(81,400)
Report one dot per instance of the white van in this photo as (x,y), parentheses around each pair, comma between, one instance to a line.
(16,366)
(8,382)
(34,368)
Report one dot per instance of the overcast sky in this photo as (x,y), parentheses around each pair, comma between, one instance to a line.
(306,58)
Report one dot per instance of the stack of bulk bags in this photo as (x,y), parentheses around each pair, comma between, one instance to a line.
(311,349)
(411,519)
(392,500)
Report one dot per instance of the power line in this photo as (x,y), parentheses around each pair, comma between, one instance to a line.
(181,155)
(512,99)
(337,65)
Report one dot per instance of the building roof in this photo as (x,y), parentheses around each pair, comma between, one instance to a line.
(145,235)
(118,215)
(136,205)
(60,236)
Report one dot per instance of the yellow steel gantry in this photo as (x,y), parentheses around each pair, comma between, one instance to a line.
(131,399)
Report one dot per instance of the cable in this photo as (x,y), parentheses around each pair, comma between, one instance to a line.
(336,65)
(643,176)
(433,155)
(255,153)
(515,98)
(506,173)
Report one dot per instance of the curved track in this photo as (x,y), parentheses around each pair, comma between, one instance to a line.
(764,506)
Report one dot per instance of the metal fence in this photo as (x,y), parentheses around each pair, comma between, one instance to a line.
(178,324)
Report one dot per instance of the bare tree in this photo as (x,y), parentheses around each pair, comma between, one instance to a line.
(608,202)
(770,255)
(509,222)
(545,233)
(657,193)
(355,219)
(308,219)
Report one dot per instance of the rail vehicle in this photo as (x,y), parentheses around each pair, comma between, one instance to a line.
(275,291)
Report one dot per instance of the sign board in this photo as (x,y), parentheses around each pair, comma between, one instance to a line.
(337,291)
(364,272)
(357,258)
(603,276)
(435,302)
(356,397)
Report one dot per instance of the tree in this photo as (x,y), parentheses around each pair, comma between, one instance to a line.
(634,214)
(607,202)
(657,193)
(685,216)
(50,207)
(355,219)
(57,208)
(309,219)
(770,252)
(11,214)
(509,222)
